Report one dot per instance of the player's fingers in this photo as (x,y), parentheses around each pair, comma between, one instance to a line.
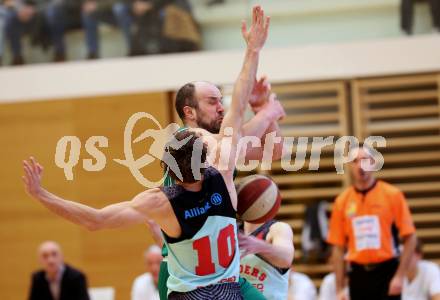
(266,25)
(272,97)
(261,19)
(28,173)
(243,28)
(254,14)
(39,169)
(24,180)
(33,164)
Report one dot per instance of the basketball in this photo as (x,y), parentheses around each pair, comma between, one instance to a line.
(258,199)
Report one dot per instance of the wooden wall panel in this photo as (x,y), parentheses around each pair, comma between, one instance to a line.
(109,258)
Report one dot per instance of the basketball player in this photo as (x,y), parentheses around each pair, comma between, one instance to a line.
(199,105)
(196,216)
(267,254)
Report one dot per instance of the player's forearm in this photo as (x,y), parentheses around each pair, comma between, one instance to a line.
(339,267)
(278,255)
(408,250)
(257,125)
(274,132)
(435,297)
(77,213)
(243,87)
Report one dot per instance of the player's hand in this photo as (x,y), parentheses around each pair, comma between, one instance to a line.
(273,109)
(248,244)
(260,94)
(256,36)
(342,295)
(32,177)
(396,285)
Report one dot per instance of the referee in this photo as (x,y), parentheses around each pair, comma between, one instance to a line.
(366,222)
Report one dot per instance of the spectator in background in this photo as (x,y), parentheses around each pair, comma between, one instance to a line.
(57,281)
(110,11)
(422,281)
(327,290)
(366,219)
(301,287)
(39,18)
(147,18)
(164,26)
(145,286)
(2,28)
(407,14)
(180,32)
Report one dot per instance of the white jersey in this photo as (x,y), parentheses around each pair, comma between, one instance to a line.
(426,283)
(327,291)
(144,288)
(271,281)
(301,287)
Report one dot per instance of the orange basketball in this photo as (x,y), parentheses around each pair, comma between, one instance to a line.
(258,199)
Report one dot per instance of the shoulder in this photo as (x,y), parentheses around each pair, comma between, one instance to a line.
(344,196)
(328,279)
(143,279)
(388,188)
(38,275)
(428,267)
(73,272)
(301,279)
(211,172)
(280,228)
(150,198)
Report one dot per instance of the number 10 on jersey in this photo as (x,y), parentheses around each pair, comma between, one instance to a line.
(225,238)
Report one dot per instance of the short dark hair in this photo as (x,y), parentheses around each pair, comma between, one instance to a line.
(185,97)
(183,156)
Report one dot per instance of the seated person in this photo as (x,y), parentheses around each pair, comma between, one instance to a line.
(145,285)
(28,16)
(301,287)
(422,280)
(56,280)
(109,11)
(3,7)
(327,290)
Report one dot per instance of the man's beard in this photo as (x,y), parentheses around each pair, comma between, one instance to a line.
(212,127)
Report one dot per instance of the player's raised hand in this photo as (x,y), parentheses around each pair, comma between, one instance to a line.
(256,36)
(260,94)
(273,108)
(32,176)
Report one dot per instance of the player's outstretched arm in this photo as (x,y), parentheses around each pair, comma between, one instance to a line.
(277,249)
(264,125)
(255,38)
(112,216)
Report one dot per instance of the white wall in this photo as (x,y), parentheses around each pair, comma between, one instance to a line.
(168,72)
(301,22)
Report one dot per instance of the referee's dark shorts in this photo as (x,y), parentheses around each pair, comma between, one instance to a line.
(371,282)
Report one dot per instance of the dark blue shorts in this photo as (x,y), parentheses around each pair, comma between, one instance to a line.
(224,291)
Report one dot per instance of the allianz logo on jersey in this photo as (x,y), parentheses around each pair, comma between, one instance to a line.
(216,199)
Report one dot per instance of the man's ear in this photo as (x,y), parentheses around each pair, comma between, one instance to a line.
(189,113)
